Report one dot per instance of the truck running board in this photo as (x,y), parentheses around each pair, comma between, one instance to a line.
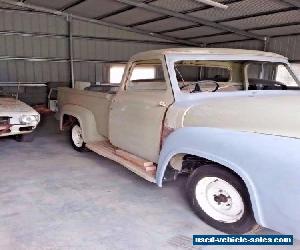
(139,166)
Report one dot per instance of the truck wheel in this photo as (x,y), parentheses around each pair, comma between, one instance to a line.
(220,198)
(76,138)
(25,137)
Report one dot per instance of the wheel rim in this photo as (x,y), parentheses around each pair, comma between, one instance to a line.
(77,136)
(219,200)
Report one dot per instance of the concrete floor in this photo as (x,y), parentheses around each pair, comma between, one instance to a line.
(52,197)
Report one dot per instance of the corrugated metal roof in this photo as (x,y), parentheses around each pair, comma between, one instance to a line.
(196,31)
(55,4)
(177,5)
(220,38)
(277,31)
(265,18)
(132,16)
(170,23)
(95,8)
(240,9)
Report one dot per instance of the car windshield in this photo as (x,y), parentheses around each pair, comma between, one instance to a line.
(218,76)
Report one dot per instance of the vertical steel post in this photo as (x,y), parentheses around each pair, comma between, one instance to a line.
(71,50)
(266,43)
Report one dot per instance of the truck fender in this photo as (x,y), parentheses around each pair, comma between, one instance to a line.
(86,120)
(217,145)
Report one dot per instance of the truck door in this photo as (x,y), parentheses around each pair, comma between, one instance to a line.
(138,110)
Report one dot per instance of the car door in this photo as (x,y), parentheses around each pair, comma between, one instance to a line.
(138,110)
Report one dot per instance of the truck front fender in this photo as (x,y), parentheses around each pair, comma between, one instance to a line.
(269,166)
(86,120)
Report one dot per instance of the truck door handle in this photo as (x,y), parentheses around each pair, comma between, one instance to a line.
(162,104)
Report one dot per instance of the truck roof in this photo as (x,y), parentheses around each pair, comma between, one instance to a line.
(208,51)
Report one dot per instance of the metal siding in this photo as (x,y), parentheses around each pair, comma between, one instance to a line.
(81,28)
(287,46)
(3,71)
(253,45)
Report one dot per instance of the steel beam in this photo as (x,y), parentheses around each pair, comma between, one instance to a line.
(71,51)
(186,12)
(56,60)
(295,3)
(38,34)
(213,3)
(190,18)
(103,23)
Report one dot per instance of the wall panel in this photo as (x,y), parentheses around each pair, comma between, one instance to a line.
(28,35)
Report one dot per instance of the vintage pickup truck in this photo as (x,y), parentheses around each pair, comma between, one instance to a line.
(230,119)
(17,119)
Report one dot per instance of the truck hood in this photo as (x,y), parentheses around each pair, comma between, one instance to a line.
(266,114)
(9,106)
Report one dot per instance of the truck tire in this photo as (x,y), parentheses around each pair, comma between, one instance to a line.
(221,199)
(76,137)
(25,137)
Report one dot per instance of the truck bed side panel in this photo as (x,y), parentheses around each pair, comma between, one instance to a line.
(97,102)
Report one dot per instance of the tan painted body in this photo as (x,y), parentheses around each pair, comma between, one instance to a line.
(275,115)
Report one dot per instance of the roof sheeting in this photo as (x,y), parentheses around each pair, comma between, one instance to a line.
(266,18)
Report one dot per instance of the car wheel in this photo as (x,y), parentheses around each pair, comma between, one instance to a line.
(25,137)
(77,138)
(220,198)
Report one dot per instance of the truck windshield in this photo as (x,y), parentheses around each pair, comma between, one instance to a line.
(221,76)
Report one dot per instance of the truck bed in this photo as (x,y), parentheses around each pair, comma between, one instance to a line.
(96,102)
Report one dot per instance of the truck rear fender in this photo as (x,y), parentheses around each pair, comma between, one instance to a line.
(86,120)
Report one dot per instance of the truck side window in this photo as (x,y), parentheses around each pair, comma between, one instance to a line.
(147,76)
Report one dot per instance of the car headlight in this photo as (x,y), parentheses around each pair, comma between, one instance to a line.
(29,119)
